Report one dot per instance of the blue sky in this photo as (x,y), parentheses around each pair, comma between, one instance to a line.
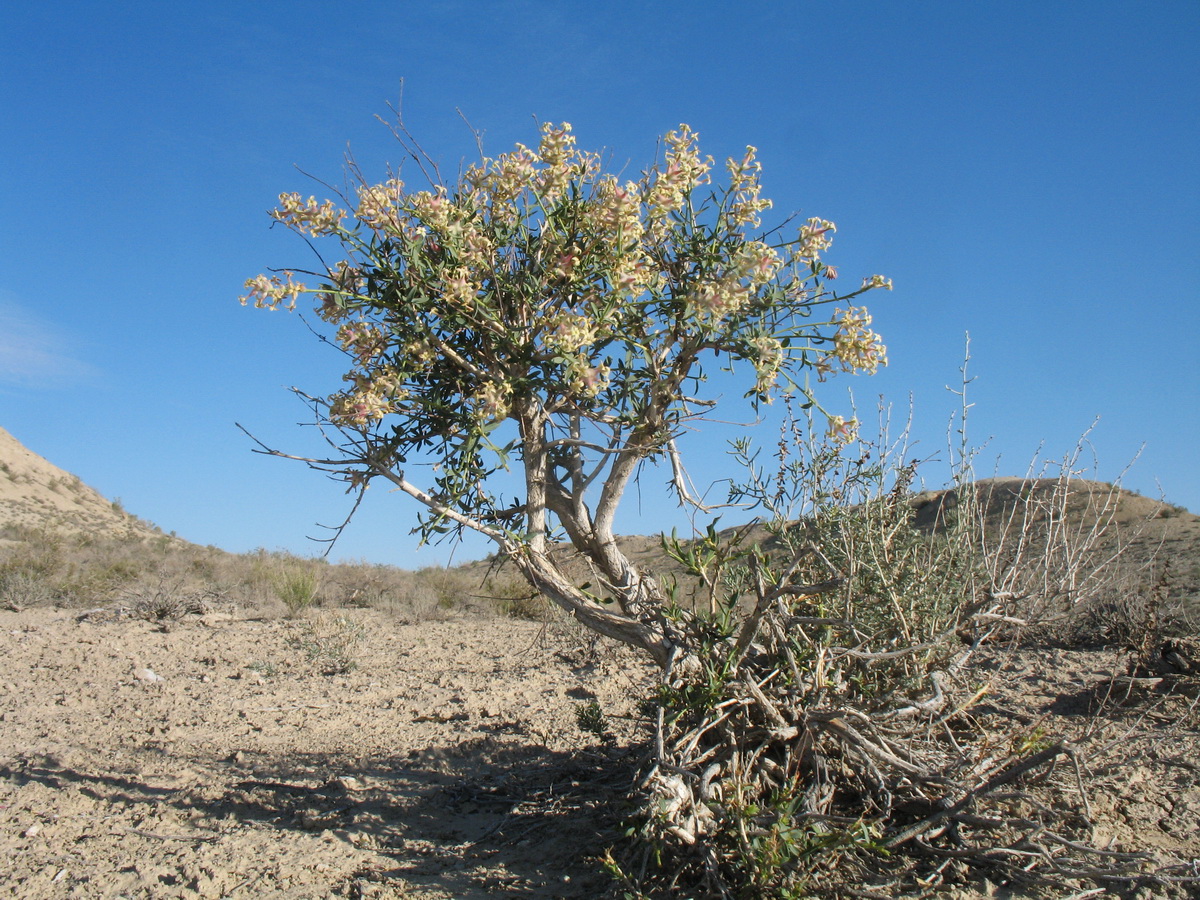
(1027,172)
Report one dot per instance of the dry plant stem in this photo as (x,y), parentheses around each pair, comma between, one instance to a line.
(542,572)
(1004,777)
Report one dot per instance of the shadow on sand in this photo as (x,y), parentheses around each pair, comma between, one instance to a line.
(482,818)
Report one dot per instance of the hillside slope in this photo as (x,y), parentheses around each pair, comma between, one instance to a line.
(35,493)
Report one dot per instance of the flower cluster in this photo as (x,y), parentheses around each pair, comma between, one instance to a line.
(768,360)
(683,172)
(362,340)
(434,209)
(371,397)
(618,210)
(744,188)
(570,332)
(557,153)
(270,292)
(816,236)
(379,204)
(756,262)
(856,347)
(459,290)
(713,301)
(308,217)
(502,180)
(358,409)
(583,379)
(493,400)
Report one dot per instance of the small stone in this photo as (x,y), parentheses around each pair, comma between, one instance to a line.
(350,783)
(32,831)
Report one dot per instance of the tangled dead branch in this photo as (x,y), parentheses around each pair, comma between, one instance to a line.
(771,775)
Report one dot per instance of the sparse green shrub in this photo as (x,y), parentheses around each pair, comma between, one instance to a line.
(794,754)
(330,643)
(590,719)
(297,587)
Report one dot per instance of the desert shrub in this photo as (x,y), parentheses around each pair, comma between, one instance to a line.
(798,758)
(522,603)
(452,587)
(415,596)
(329,643)
(20,589)
(165,601)
(544,316)
(99,582)
(361,585)
(297,587)
(38,552)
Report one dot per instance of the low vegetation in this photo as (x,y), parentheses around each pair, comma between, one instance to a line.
(164,578)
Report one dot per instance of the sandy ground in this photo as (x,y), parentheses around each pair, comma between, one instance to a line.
(215,759)
(446,765)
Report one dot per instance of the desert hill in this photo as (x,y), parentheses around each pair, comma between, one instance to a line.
(1157,543)
(35,493)
(1153,536)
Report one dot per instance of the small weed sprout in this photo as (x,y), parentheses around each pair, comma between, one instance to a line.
(264,668)
(591,720)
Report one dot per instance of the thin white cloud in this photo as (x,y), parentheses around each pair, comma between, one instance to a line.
(33,352)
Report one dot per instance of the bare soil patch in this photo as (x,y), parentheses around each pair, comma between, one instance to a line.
(214,759)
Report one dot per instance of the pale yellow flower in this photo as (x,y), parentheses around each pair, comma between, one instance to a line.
(378,205)
(492,401)
(744,190)
(856,347)
(569,332)
(308,216)
(270,292)
(757,262)
(842,430)
(816,236)
(362,339)
(459,290)
(358,408)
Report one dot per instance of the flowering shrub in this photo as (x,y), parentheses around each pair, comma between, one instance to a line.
(584,313)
